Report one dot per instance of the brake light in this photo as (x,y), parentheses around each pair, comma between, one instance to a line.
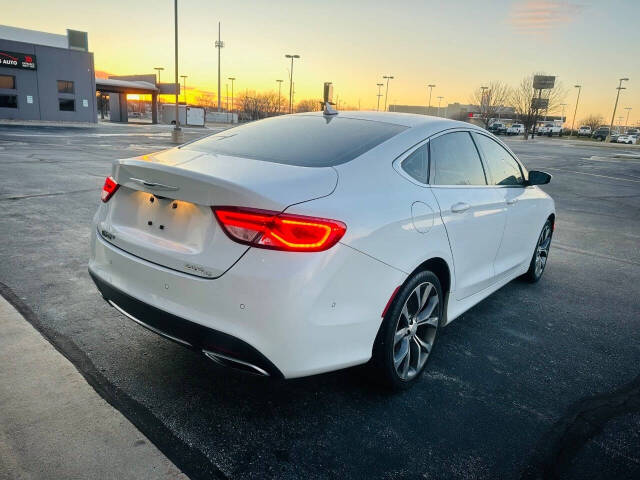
(279,231)
(108,189)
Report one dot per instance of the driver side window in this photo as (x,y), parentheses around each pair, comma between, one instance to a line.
(503,168)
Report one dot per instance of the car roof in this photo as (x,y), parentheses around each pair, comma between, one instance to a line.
(410,120)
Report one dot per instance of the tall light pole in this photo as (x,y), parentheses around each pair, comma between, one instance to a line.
(575,112)
(232,80)
(292,56)
(159,69)
(615,107)
(219,45)
(386,94)
(628,109)
(279,90)
(562,115)
(176,133)
(484,109)
(380,85)
(430,92)
(439,101)
(184,87)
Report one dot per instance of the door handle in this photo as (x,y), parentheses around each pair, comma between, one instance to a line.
(512,201)
(460,207)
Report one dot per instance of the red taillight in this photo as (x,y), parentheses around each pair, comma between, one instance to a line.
(279,231)
(108,189)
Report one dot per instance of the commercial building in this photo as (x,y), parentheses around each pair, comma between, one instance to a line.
(46,76)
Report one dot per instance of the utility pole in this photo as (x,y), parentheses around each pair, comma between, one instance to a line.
(232,80)
(184,83)
(575,112)
(176,133)
(387,77)
(279,89)
(439,101)
(219,45)
(380,85)
(292,56)
(562,116)
(483,107)
(615,107)
(626,123)
(158,69)
(430,86)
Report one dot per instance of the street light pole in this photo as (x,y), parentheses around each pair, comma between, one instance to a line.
(386,95)
(379,85)
(279,90)
(184,83)
(291,81)
(562,115)
(430,92)
(159,69)
(615,107)
(232,107)
(176,133)
(219,45)
(626,123)
(575,112)
(439,101)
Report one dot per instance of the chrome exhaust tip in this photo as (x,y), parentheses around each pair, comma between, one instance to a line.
(234,363)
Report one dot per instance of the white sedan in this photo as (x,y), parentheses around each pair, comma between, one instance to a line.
(630,139)
(307,243)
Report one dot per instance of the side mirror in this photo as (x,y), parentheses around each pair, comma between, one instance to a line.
(538,178)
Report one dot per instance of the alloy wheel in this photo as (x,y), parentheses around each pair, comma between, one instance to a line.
(416,330)
(542,250)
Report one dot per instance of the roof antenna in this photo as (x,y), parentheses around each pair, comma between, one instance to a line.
(328,100)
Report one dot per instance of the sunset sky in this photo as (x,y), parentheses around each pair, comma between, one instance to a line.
(457,45)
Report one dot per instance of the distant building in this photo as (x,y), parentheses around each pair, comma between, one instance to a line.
(454,111)
(46,76)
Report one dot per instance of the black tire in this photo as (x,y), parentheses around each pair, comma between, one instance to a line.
(534,274)
(386,347)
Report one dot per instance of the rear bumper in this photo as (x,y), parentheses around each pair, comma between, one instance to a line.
(290,314)
(192,335)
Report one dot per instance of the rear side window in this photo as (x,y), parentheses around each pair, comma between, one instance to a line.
(503,169)
(456,161)
(417,164)
(302,140)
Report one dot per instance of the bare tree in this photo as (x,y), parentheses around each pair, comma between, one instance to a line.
(527,110)
(308,105)
(490,100)
(593,121)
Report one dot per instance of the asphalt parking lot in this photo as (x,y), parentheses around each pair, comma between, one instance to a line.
(537,380)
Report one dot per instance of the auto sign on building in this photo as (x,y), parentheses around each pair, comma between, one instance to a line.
(17,60)
(46,76)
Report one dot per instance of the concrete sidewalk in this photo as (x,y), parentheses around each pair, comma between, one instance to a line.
(53,425)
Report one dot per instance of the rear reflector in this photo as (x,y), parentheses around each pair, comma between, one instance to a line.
(279,231)
(108,189)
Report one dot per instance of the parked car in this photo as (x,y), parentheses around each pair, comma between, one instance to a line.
(584,131)
(630,139)
(601,133)
(549,129)
(274,247)
(633,131)
(516,129)
(614,137)
(498,128)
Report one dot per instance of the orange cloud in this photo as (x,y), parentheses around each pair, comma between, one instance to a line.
(542,16)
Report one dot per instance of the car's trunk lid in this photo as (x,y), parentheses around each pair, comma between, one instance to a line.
(162,209)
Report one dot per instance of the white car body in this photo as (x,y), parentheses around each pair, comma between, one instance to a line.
(627,138)
(516,129)
(550,129)
(584,131)
(303,313)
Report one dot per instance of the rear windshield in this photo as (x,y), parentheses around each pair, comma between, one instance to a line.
(302,140)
